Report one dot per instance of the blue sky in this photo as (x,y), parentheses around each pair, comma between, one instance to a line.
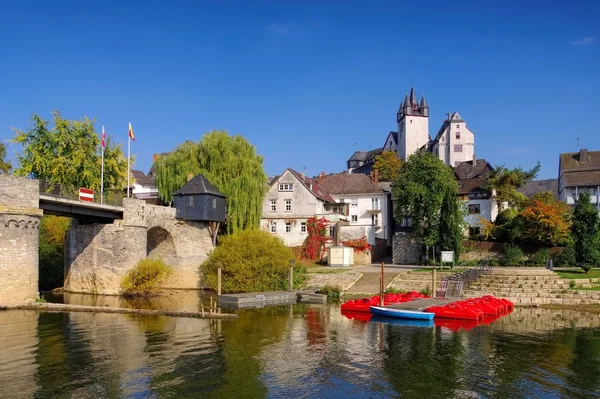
(308,82)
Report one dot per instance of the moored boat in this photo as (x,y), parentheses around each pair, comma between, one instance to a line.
(456,311)
(401,314)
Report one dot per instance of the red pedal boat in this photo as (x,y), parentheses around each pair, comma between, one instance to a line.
(456,311)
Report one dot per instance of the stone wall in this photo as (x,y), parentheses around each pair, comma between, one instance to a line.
(406,249)
(19,240)
(98,256)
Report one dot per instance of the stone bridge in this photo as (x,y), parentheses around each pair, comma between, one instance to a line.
(97,256)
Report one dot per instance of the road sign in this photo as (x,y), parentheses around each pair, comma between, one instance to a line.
(85,194)
(448,256)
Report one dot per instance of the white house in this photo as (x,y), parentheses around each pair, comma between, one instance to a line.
(366,202)
(579,172)
(291,200)
(472,178)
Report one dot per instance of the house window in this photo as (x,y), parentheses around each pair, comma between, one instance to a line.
(288,227)
(288,205)
(331,231)
(458,135)
(354,218)
(458,126)
(273,205)
(457,147)
(574,192)
(375,219)
(375,203)
(474,231)
(354,203)
(303,227)
(286,187)
(191,200)
(474,209)
(273,227)
(214,203)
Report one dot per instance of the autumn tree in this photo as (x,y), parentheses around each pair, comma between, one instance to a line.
(387,164)
(586,233)
(5,166)
(505,183)
(69,153)
(545,221)
(230,163)
(419,192)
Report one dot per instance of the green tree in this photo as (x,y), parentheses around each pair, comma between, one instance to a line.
(506,183)
(387,164)
(419,192)
(452,225)
(51,251)
(228,162)
(69,153)
(586,233)
(5,166)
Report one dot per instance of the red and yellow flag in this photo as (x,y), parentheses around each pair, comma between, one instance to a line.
(131,132)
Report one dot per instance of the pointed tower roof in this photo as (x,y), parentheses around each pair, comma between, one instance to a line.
(406,102)
(413,98)
(423,103)
(401,106)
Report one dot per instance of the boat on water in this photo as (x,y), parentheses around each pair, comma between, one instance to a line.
(401,313)
(364,304)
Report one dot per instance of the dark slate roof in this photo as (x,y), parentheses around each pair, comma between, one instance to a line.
(395,136)
(313,186)
(143,179)
(467,186)
(540,186)
(198,185)
(580,168)
(365,155)
(349,183)
(386,186)
(471,170)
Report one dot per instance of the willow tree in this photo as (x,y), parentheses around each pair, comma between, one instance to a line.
(69,153)
(230,163)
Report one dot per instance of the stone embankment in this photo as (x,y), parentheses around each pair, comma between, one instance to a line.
(417,280)
(531,287)
(342,278)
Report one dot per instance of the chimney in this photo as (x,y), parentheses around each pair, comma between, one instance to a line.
(372,175)
(154,157)
(583,155)
(474,159)
(321,176)
(303,175)
(190,176)
(448,117)
(376,180)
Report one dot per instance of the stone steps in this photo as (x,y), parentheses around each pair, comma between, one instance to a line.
(496,286)
(572,294)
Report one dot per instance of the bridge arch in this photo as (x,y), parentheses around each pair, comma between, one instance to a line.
(161,245)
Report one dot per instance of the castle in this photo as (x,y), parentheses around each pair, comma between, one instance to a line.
(453,143)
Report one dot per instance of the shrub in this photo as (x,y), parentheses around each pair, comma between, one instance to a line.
(566,257)
(426,291)
(51,251)
(332,292)
(145,277)
(539,258)
(251,261)
(359,245)
(394,290)
(512,255)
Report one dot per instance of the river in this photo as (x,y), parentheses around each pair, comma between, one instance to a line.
(292,351)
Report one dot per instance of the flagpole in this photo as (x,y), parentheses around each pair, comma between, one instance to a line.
(128,161)
(102,170)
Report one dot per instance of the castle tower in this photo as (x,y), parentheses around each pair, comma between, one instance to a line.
(413,125)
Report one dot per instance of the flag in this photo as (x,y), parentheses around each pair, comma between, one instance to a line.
(131,132)
(103,137)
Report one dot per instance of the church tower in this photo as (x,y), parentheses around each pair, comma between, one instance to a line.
(413,125)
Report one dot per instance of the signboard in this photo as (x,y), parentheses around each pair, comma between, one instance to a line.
(448,256)
(85,194)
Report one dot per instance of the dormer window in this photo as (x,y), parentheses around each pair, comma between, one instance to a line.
(458,135)
(286,186)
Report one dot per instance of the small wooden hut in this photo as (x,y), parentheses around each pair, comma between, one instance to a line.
(199,200)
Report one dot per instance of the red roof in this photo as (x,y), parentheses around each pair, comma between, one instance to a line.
(313,186)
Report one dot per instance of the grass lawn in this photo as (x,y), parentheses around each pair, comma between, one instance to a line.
(578,274)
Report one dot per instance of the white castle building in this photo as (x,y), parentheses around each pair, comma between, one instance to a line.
(454,142)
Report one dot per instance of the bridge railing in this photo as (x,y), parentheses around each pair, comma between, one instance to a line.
(113,197)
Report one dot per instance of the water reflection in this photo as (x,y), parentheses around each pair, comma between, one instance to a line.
(294,351)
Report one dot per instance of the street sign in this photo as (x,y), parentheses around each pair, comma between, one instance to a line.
(85,194)
(448,256)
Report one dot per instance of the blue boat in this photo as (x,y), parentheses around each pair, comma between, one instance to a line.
(402,322)
(400,313)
